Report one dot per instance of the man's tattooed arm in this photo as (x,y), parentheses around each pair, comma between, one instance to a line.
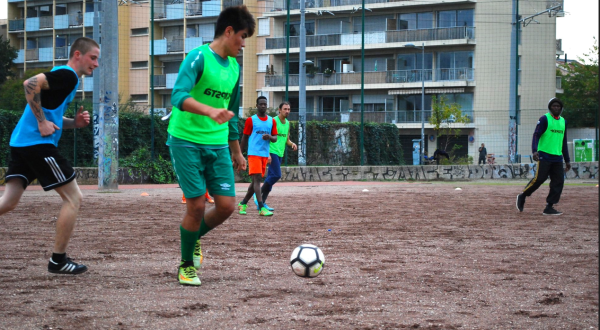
(33,89)
(33,95)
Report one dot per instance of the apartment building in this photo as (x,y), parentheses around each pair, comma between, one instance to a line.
(466,59)
(42,31)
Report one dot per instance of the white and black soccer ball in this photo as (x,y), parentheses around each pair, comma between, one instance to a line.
(307,260)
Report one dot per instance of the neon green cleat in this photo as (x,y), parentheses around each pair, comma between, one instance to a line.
(264,212)
(187,275)
(242,208)
(198,257)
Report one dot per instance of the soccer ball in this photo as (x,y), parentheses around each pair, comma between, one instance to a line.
(307,260)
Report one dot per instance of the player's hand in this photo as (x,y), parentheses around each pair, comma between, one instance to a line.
(294,146)
(82,118)
(266,137)
(47,128)
(269,159)
(221,115)
(239,162)
(568,167)
(536,157)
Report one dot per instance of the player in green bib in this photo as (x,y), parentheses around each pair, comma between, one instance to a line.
(203,133)
(549,148)
(276,151)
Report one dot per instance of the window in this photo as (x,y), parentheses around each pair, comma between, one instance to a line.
(294,67)
(455,65)
(453,18)
(139,97)
(139,65)
(61,9)
(263,27)
(372,64)
(413,21)
(206,31)
(139,32)
(414,61)
(295,28)
(372,23)
(263,61)
(413,102)
(334,103)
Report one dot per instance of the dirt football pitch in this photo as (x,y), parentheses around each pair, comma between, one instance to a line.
(398,256)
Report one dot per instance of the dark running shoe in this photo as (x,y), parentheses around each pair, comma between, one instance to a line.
(551,211)
(67,267)
(520,202)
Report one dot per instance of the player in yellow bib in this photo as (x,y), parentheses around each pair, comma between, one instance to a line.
(549,147)
(277,150)
(203,133)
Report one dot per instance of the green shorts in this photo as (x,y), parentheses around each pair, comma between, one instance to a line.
(200,168)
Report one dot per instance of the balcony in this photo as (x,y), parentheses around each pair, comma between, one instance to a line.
(375,37)
(32,54)
(383,77)
(46,22)
(160,81)
(175,45)
(75,19)
(16,25)
(61,53)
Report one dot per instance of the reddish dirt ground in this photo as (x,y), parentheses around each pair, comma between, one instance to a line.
(400,256)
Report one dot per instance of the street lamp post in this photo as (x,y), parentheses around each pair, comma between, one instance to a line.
(422,153)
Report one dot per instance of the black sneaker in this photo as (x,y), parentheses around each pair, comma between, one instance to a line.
(67,267)
(520,202)
(551,211)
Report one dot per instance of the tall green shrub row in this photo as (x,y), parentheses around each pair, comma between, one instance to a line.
(328,143)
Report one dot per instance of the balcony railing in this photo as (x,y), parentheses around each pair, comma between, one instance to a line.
(175,45)
(390,36)
(389,116)
(61,52)
(232,3)
(279,5)
(46,22)
(193,9)
(32,54)
(160,80)
(16,25)
(76,19)
(382,77)
(455,74)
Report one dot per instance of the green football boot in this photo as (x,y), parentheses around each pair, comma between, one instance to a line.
(187,275)
(264,212)
(242,208)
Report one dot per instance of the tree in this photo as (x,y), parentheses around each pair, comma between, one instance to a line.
(7,56)
(443,118)
(12,93)
(580,85)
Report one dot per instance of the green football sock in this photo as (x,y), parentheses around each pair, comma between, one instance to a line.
(204,228)
(188,242)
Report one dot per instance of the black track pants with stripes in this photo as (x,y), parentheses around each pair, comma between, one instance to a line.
(557,180)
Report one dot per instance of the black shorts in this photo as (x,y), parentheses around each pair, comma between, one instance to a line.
(41,162)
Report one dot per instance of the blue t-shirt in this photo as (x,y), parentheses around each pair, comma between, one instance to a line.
(27,133)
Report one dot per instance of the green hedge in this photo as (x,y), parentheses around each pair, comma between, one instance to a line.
(328,143)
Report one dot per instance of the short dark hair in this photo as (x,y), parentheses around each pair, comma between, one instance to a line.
(283,103)
(261,97)
(83,45)
(238,17)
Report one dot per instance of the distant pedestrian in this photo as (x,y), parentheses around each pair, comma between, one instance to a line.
(482,154)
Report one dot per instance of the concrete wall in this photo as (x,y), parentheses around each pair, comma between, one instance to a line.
(588,171)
